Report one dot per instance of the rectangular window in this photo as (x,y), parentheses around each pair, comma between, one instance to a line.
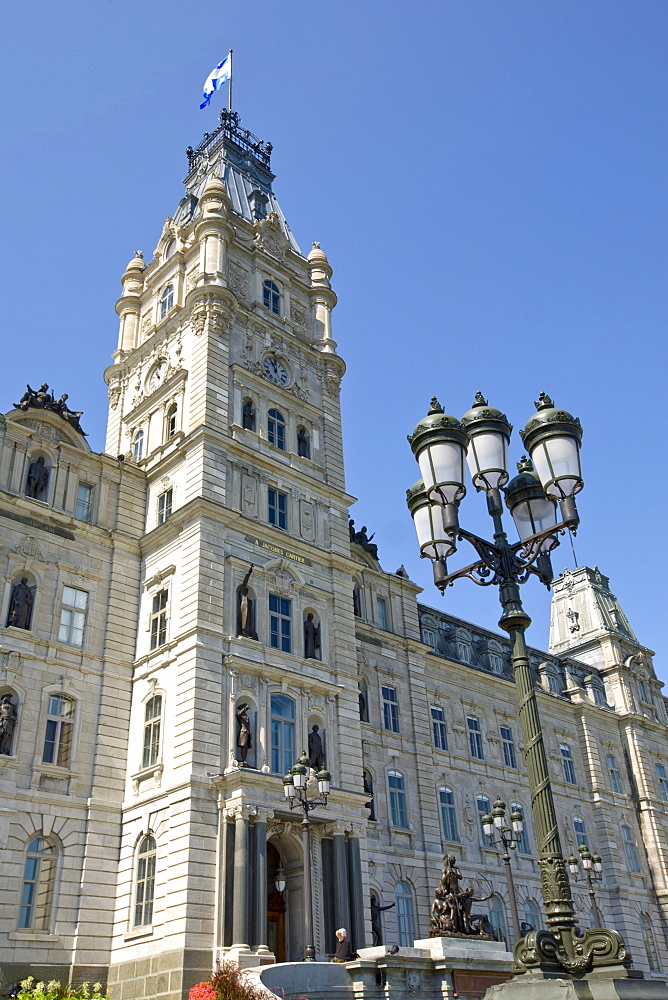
(484,808)
(159,620)
(630,849)
(381,613)
(448,815)
(581,837)
(84,506)
(569,766)
(278,509)
(152,719)
(390,709)
(438,729)
(164,506)
(508,746)
(58,735)
(663,781)
(73,616)
(614,773)
(397,800)
(280,623)
(475,737)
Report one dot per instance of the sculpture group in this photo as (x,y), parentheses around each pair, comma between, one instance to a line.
(452,910)
(42,399)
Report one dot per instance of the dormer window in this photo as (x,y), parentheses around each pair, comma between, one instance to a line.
(166,300)
(271,297)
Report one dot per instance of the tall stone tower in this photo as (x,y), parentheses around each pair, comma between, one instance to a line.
(225,391)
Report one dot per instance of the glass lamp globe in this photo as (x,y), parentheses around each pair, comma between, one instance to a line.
(552,438)
(487,455)
(439,444)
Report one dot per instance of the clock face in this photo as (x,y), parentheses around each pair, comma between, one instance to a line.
(157,375)
(275,371)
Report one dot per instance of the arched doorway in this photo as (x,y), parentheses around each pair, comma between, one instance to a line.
(275,905)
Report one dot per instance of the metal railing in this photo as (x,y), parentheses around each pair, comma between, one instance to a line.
(229,129)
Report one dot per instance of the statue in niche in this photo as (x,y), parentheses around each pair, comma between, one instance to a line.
(38,478)
(7,724)
(248,415)
(451,911)
(316,754)
(376,925)
(246,609)
(20,605)
(311,638)
(244,738)
(303,446)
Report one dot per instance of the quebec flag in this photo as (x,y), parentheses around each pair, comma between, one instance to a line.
(215,80)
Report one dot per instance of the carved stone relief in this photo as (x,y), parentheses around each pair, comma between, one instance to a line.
(239,281)
(249,495)
(307,520)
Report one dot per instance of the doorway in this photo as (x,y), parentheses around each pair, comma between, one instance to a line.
(275,906)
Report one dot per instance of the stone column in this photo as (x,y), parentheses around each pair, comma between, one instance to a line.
(260,875)
(356,894)
(241,868)
(341,901)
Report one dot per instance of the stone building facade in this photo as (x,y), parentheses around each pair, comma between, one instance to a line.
(198,584)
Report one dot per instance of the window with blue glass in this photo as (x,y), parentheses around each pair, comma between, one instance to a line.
(398,810)
(508,746)
(39,882)
(581,838)
(405,914)
(475,737)
(271,297)
(439,729)
(282,733)
(390,709)
(613,771)
(446,799)
(484,807)
(569,766)
(663,781)
(166,300)
(280,623)
(278,509)
(630,848)
(276,429)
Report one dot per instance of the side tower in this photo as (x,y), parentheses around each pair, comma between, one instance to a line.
(225,391)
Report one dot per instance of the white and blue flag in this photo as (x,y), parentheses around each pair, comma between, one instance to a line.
(216,78)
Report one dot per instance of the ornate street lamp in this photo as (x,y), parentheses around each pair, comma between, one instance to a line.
(593,872)
(499,834)
(295,786)
(552,437)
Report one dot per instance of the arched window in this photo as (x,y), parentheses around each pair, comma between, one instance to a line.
(138,446)
(145,885)
(276,429)
(358,601)
(152,722)
(58,735)
(484,807)
(39,882)
(497,919)
(532,915)
(171,249)
(630,848)
(282,733)
(368,790)
(8,718)
(166,300)
(398,810)
(446,799)
(405,914)
(303,443)
(271,297)
(170,421)
(649,941)
(581,837)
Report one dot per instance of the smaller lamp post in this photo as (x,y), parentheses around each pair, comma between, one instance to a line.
(593,872)
(499,834)
(295,786)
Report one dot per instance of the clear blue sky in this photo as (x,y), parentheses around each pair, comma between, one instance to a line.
(486,176)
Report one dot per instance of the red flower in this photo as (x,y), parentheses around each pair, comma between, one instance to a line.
(202,991)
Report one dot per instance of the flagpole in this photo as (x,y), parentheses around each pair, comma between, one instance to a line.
(229,88)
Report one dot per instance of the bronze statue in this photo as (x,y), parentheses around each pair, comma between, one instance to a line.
(38,478)
(7,723)
(303,446)
(311,638)
(316,754)
(42,399)
(376,925)
(246,609)
(20,605)
(451,910)
(248,415)
(244,738)
(363,539)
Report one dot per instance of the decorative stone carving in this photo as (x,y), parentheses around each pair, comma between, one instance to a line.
(269,236)
(281,581)
(306,520)
(29,549)
(249,495)
(239,281)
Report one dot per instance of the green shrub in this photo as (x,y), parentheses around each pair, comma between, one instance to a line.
(30,990)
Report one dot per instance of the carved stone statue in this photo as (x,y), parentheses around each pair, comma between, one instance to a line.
(303,443)
(42,399)
(244,738)
(20,605)
(316,754)
(451,910)
(311,639)
(248,415)
(376,925)
(7,723)
(246,609)
(38,478)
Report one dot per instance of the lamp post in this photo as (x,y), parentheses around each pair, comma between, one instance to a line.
(593,872)
(497,833)
(295,786)
(441,443)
